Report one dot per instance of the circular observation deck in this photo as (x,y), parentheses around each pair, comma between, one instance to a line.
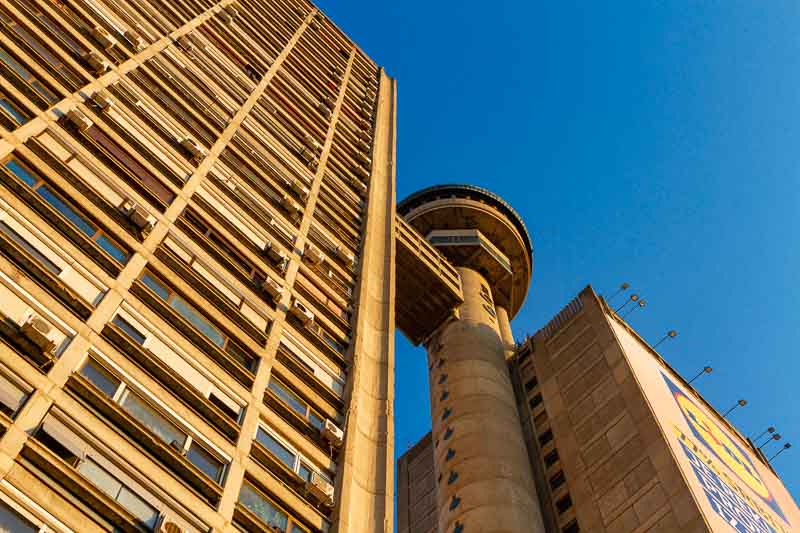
(448,217)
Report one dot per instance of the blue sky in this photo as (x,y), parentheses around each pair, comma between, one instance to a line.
(651,142)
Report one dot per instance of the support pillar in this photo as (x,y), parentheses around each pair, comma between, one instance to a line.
(484,477)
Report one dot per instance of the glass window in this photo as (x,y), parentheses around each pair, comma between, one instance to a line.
(264,509)
(111,486)
(156,286)
(11,397)
(205,462)
(21,172)
(278,450)
(25,245)
(12,522)
(13,111)
(198,321)
(290,398)
(316,420)
(155,422)
(102,378)
(129,330)
(305,472)
(70,212)
(27,77)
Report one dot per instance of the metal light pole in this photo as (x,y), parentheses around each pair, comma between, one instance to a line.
(785,447)
(706,370)
(633,298)
(623,287)
(740,403)
(671,334)
(776,436)
(641,305)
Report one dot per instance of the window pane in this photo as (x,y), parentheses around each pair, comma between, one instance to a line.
(101,378)
(198,321)
(12,522)
(298,405)
(11,397)
(102,479)
(148,416)
(304,472)
(13,112)
(156,286)
(138,507)
(21,172)
(113,249)
(62,207)
(205,462)
(37,255)
(277,449)
(129,330)
(263,508)
(315,420)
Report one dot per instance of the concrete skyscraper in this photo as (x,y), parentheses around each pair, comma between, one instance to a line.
(196,269)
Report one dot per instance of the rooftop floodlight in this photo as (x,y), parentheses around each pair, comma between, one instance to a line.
(775,436)
(621,289)
(632,298)
(671,334)
(770,429)
(706,370)
(740,403)
(642,303)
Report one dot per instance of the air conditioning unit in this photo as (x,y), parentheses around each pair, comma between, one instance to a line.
(370,95)
(364,125)
(138,216)
(315,25)
(225,18)
(98,63)
(363,135)
(232,11)
(313,254)
(166,525)
(361,172)
(361,188)
(274,253)
(79,120)
(185,43)
(135,39)
(348,258)
(102,36)
(292,207)
(272,287)
(332,433)
(300,189)
(362,145)
(321,489)
(301,312)
(103,100)
(36,329)
(193,148)
(324,110)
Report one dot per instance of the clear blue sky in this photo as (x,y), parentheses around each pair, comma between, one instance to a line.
(646,141)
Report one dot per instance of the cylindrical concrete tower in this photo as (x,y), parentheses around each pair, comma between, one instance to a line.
(485,483)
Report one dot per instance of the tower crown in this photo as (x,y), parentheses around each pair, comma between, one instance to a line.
(475,228)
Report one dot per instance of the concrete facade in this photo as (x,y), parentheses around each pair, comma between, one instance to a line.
(197,271)
(619,442)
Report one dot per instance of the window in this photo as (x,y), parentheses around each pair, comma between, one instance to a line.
(551,458)
(450,454)
(135,335)
(293,460)
(267,511)
(28,79)
(202,324)
(458,528)
(114,488)
(442,379)
(297,404)
(571,527)
(12,111)
(452,478)
(557,480)
(454,503)
(69,212)
(545,437)
(535,401)
(152,419)
(12,396)
(13,522)
(446,414)
(564,504)
(444,396)
(531,383)
(25,245)
(448,433)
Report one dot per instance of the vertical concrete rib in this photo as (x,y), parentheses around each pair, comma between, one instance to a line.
(367,480)
(485,480)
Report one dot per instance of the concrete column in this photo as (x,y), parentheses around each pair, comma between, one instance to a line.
(484,477)
(506,335)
